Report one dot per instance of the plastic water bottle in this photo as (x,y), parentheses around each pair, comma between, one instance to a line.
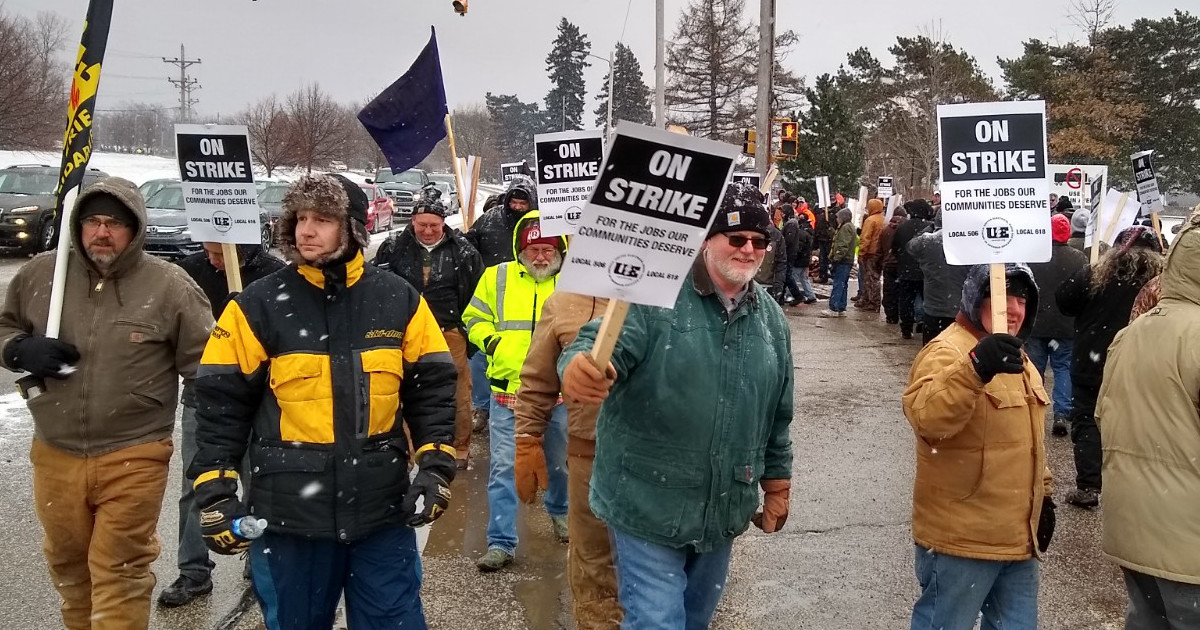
(249,528)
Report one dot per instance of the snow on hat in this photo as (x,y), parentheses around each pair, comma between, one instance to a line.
(1060,228)
(741,209)
(1080,220)
(532,235)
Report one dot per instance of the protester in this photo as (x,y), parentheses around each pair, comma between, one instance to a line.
(1150,428)
(500,320)
(207,269)
(1063,206)
(590,571)
(309,370)
(679,459)
(942,283)
(1100,298)
(841,257)
(798,234)
(772,275)
(869,270)
(981,502)
(823,231)
(1079,225)
(1052,341)
(131,326)
(444,267)
(492,236)
(889,266)
(909,277)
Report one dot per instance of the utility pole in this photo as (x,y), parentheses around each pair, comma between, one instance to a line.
(184,83)
(766,66)
(660,68)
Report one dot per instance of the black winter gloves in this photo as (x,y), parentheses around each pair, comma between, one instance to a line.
(1046,521)
(42,357)
(998,353)
(216,498)
(434,473)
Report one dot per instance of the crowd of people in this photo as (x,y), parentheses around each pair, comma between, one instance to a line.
(334,399)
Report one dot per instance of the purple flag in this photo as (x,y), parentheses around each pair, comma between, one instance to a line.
(408,119)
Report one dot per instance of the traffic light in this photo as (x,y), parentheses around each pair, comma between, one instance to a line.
(460,7)
(789,139)
(748,142)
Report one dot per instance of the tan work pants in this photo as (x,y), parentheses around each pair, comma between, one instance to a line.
(590,568)
(462,392)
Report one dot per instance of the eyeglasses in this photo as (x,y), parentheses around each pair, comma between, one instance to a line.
(112,224)
(737,240)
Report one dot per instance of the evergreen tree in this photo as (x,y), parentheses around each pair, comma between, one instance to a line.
(565,63)
(712,63)
(632,99)
(831,143)
(514,124)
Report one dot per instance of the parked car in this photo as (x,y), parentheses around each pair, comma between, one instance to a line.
(381,211)
(402,188)
(167,233)
(446,183)
(27,200)
(270,199)
(338,166)
(153,186)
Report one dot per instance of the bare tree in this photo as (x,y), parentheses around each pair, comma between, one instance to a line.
(712,62)
(134,127)
(318,127)
(1092,16)
(32,87)
(271,140)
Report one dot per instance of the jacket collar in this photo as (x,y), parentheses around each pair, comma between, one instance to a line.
(346,275)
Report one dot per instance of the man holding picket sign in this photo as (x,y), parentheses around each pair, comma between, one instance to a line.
(982,511)
(698,392)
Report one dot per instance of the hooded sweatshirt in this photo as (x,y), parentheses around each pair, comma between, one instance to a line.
(492,234)
(138,326)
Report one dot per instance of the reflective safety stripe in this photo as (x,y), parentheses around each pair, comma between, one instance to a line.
(471,323)
(501,284)
(515,325)
(481,305)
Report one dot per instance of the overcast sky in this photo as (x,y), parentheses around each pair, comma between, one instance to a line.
(354,48)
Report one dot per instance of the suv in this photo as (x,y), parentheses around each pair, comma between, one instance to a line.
(167,232)
(27,198)
(402,188)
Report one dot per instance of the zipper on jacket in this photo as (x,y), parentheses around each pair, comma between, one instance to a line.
(99,286)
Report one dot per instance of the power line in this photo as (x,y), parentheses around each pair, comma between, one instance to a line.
(185,84)
(626,22)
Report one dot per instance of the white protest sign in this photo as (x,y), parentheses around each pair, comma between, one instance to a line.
(895,201)
(823,199)
(885,187)
(648,215)
(509,170)
(567,165)
(995,197)
(1117,212)
(750,179)
(1074,181)
(1147,181)
(219,195)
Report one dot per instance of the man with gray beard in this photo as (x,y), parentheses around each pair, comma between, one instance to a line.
(500,319)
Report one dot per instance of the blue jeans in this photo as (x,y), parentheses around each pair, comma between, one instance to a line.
(841,286)
(1056,352)
(665,588)
(954,591)
(193,553)
(800,275)
(502,482)
(298,581)
(481,389)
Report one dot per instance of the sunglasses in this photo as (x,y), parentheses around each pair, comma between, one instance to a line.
(737,240)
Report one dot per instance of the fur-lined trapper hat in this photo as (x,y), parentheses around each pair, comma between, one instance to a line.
(333,196)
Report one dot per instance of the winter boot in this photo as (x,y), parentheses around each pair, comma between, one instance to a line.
(1060,426)
(479,420)
(493,560)
(1086,498)
(559,524)
(183,590)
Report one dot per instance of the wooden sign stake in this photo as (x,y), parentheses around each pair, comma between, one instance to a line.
(233,267)
(999,299)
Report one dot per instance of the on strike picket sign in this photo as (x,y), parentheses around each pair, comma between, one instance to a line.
(885,188)
(1147,181)
(995,197)
(219,195)
(509,170)
(648,215)
(750,179)
(567,166)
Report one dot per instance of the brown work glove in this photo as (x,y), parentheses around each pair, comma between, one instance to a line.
(775,505)
(530,467)
(583,382)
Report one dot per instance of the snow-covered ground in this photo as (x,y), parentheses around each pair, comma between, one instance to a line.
(136,168)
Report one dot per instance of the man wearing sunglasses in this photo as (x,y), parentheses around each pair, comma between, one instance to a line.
(697,408)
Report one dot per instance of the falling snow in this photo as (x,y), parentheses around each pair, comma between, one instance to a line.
(309,491)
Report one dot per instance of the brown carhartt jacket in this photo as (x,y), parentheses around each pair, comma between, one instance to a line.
(138,328)
(562,317)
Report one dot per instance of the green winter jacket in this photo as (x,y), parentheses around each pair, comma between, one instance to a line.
(845,241)
(699,413)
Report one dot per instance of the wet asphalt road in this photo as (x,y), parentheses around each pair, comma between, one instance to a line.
(843,561)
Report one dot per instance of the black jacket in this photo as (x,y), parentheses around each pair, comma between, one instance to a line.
(255,263)
(1065,260)
(907,265)
(1098,319)
(315,372)
(454,270)
(826,224)
(798,234)
(773,272)
(492,234)
(942,282)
